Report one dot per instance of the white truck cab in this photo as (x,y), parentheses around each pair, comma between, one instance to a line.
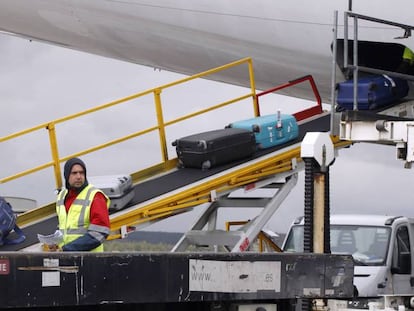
(380,245)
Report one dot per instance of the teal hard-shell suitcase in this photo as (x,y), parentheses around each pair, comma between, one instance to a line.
(270,130)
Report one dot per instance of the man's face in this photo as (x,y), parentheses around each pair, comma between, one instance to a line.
(77,176)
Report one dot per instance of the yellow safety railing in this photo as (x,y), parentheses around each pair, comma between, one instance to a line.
(159,126)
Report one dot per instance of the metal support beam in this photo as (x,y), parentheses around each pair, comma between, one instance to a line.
(318,152)
(241,239)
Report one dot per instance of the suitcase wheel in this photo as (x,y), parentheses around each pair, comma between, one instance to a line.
(339,108)
(180,164)
(203,144)
(256,128)
(206,165)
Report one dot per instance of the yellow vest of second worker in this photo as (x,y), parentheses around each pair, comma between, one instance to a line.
(75,223)
(408,55)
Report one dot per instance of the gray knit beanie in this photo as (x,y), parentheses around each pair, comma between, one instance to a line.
(68,167)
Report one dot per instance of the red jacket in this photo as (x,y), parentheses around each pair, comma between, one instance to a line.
(99,211)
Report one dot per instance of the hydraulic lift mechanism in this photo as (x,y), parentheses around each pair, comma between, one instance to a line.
(358,126)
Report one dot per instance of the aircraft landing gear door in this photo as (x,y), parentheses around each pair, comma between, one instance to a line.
(401,269)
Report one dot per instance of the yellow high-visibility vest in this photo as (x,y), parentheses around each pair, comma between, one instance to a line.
(76,222)
(408,55)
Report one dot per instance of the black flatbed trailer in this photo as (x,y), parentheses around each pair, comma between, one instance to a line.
(168,281)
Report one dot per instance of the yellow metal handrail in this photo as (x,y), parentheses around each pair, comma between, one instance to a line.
(160,126)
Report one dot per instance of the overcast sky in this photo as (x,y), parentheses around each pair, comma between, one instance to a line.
(39,83)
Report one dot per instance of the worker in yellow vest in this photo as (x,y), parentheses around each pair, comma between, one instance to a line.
(407,64)
(82,210)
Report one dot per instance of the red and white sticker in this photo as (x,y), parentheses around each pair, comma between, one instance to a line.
(4,267)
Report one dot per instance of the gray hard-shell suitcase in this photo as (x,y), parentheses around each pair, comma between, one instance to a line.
(117,187)
(119,203)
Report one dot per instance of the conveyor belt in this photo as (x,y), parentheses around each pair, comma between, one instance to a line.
(152,188)
(176,179)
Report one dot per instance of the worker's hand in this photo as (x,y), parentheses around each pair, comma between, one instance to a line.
(51,248)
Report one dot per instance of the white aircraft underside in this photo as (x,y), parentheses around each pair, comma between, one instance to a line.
(286,39)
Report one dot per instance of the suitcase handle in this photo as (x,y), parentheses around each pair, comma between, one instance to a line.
(278,120)
(122,179)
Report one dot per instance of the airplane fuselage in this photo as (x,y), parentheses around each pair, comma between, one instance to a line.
(285,39)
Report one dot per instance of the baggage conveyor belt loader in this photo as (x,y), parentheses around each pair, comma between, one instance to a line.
(236,280)
(171,281)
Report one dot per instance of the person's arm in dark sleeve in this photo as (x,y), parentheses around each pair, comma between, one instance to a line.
(84,243)
(98,229)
